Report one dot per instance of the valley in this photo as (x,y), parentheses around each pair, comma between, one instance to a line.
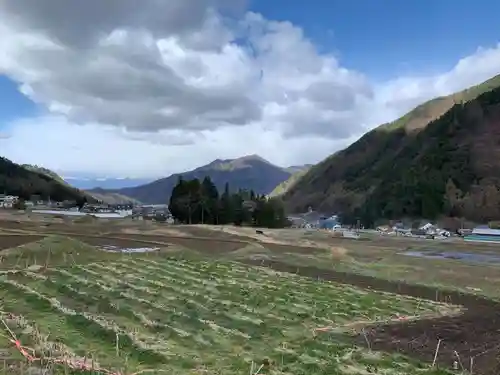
(282,301)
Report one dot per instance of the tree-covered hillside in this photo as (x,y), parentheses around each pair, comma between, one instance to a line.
(450,167)
(20,181)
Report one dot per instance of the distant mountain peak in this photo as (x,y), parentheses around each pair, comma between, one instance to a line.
(250,172)
(233,164)
(253,157)
(241,158)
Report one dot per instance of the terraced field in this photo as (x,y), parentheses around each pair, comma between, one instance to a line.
(166,314)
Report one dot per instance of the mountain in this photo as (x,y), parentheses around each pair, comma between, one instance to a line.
(249,172)
(106,183)
(45,171)
(109,197)
(25,181)
(298,168)
(298,172)
(442,158)
(97,194)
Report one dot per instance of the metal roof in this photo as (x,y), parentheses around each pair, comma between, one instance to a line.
(313,216)
(103,215)
(486,231)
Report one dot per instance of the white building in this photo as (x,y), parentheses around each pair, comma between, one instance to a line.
(7,201)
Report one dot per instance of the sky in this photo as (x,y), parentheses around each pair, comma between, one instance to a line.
(129,88)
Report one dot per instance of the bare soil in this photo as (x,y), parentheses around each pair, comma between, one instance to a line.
(122,243)
(8,241)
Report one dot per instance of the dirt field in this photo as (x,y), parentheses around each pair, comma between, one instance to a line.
(9,241)
(470,339)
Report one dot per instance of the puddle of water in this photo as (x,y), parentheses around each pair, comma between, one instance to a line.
(466,257)
(117,249)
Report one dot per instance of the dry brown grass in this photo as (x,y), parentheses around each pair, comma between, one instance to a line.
(167,231)
(251,251)
(85,220)
(337,252)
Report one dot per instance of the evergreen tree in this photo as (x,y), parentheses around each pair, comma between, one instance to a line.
(175,205)
(209,201)
(226,211)
(194,202)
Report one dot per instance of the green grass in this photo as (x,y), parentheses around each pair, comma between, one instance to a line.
(188,316)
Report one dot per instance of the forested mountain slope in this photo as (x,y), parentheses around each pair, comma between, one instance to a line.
(25,182)
(287,184)
(440,159)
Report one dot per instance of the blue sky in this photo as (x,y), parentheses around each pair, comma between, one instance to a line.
(174,86)
(14,104)
(386,38)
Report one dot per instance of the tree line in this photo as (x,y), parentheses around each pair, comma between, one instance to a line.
(199,202)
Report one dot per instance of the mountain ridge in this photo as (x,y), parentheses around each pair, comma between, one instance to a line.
(401,154)
(111,198)
(94,195)
(84,183)
(250,172)
(27,180)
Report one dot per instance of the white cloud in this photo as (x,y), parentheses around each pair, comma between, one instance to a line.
(98,150)
(173,84)
(405,93)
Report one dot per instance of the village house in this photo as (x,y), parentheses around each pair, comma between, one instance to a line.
(8,201)
(157,212)
(314,220)
(96,208)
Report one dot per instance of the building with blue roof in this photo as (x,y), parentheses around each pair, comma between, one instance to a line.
(329,223)
(484,234)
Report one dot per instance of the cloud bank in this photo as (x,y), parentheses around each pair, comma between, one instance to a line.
(171,84)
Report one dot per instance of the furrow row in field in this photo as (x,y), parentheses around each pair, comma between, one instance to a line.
(252,304)
(190,309)
(245,304)
(235,323)
(188,316)
(115,304)
(136,344)
(210,281)
(330,315)
(221,330)
(309,302)
(239,272)
(209,270)
(301,302)
(171,313)
(295,287)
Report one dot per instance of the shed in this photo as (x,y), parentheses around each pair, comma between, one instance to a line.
(484,234)
(329,224)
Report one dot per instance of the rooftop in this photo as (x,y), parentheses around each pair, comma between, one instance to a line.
(482,230)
